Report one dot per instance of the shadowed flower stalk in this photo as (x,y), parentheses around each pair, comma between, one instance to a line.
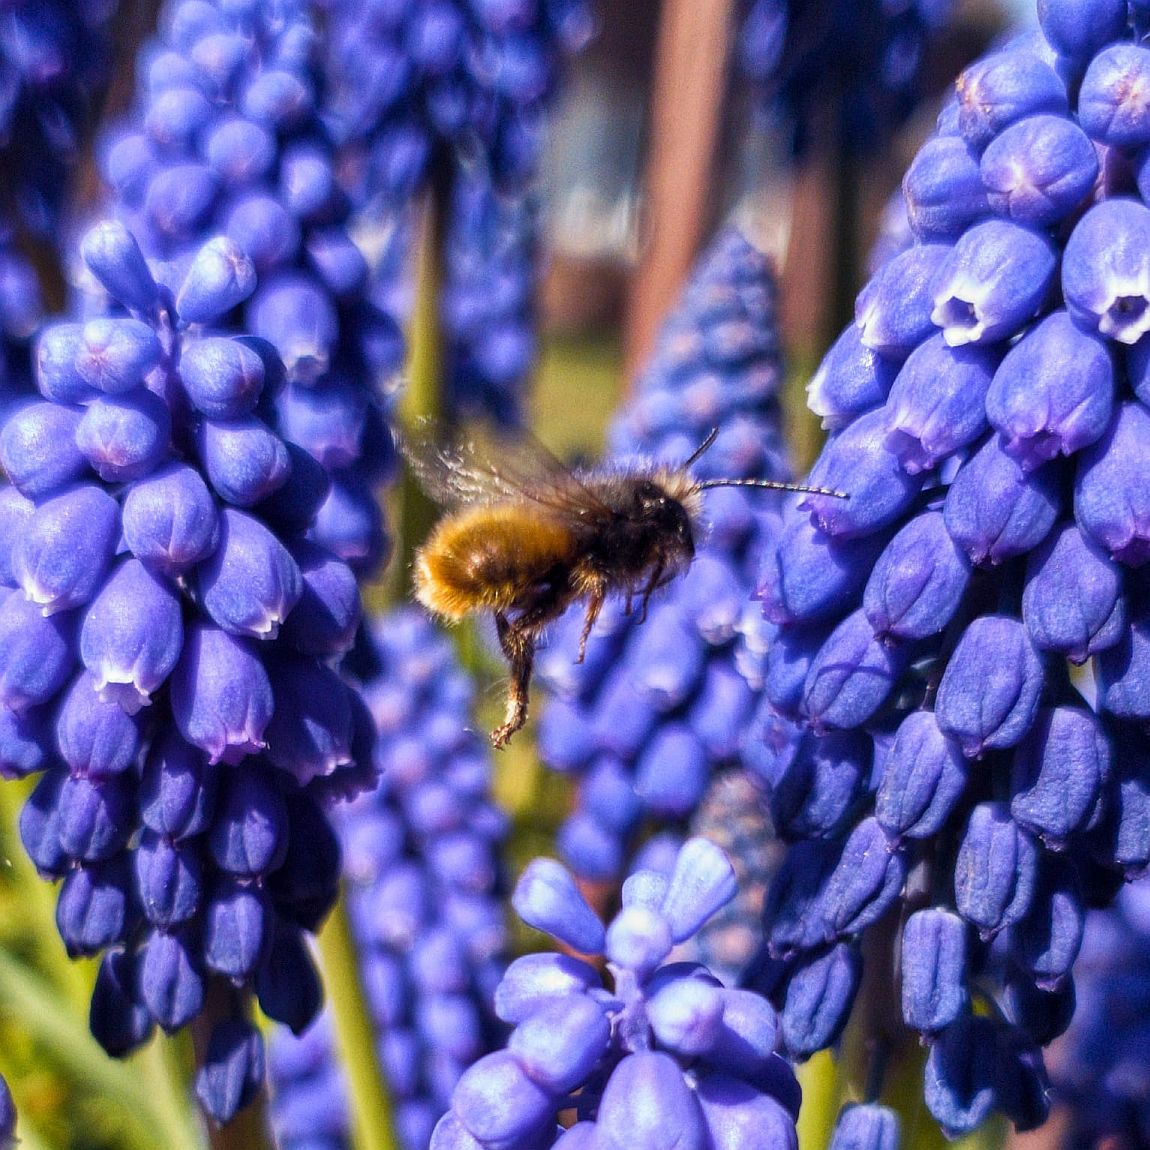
(962,644)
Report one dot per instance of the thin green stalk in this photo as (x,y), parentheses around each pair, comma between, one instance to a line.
(819,1079)
(158,1065)
(372,1114)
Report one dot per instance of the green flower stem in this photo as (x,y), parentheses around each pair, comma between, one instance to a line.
(372,1114)
(819,1078)
(53,1024)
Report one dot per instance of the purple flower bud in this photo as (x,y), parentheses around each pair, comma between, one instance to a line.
(534,979)
(262,229)
(15,514)
(934,969)
(918,582)
(559,1045)
(297,317)
(178,200)
(820,790)
(245,461)
(1078,28)
(95,816)
(738,1115)
(176,115)
(701,883)
(37,653)
(995,509)
(1106,270)
(95,737)
(547,898)
(1121,673)
(309,734)
(38,448)
(307,182)
(1046,940)
(118,1018)
(958,1083)
(233,1069)
(93,908)
(240,151)
(1042,410)
(220,277)
(672,770)
(287,984)
(995,871)
(124,437)
(923,775)
(326,419)
(1003,87)
(350,525)
(115,259)
(249,834)
(171,980)
(25,741)
(57,351)
(235,927)
(992,282)
(667,663)
(1112,102)
(1109,503)
(868,878)
(851,379)
(497,1102)
(865,1126)
(943,189)
(306,884)
(721,710)
(169,879)
(337,261)
(819,997)
(220,693)
(170,520)
(277,98)
(936,403)
(893,311)
(859,462)
(686,1015)
(293,507)
(1038,170)
(851,676)
(177,788)
(114,355)
(223,378)
(647,1103)
(325,619)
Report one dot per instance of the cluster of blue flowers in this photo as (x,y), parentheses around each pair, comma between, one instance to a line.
(865,61)
(231,137)
(421,859)
(165,638)
(657,709)
(962,642)
(667,1056)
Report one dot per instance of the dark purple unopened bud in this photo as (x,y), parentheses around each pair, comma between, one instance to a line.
(647,1103)
(1109,496)
(866,1126)
(1003,87)
(868,878)
(1106,270)
(1112,102)
(239,151)
(37,653)
(996,510)
(1123,839)
(350,524)
(221,697)
(1038,170)
(993,280)
(310,732)
(1046,940)
(959,1080)
(40,826)
(326,419)
(794,913)
(114,355)
(1042,410)
(672,771)
(25,741)
(57,351)
(1044,1015)
(851,676)
(263,229)
(893,311)
(305,885)
(923,776)
(918,582)
(337,261)
(95,737)
(934,969)
(249,834)
(859,462)
(177,788)
(1058,773)
(95,816)
(178,200)
(171,979)
(15,514)
(325,619)
(93,909)
(996,869)
(943,189)
(936,403)
(64,553)
(124,437)
(721,710)
(534,979)
(38,448)
(666,664)
(222,377)
(746,1037)
(819,997)
(245,461)
(235,928)
(851,379)
(1078,28)
(220,277)
(233,1069)
(115,259)
(497,1102)
(118,1018)
(297,317)
(989,692)
(821,788)
(547,898)
(169,879)
(293,507)
(287,984)
(738,1115)
(170,520)
(559,1045)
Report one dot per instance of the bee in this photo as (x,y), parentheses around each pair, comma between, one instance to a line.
(526,536)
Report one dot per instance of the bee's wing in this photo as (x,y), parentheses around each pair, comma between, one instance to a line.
(463,471)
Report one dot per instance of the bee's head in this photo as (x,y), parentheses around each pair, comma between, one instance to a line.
(664,513)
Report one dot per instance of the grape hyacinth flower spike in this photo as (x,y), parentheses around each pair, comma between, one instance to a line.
(956,767)
(667,1057)
(169,631)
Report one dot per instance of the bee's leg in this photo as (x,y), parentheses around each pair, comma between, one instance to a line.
(594,606)
(649,590)
(518,643)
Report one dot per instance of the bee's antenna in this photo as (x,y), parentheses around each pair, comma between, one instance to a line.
(771,484)
(712,435)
